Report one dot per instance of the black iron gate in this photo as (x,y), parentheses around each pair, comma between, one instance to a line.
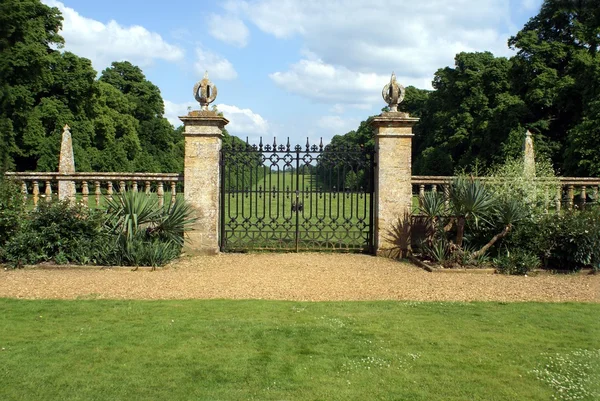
(278,197)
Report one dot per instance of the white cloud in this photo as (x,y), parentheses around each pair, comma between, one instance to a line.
(174,110)
(228,29)
(105,43)
(354,44)
(243,122)
(217,66)
(336,84)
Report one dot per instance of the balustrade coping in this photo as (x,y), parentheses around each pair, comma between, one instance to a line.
(85,176)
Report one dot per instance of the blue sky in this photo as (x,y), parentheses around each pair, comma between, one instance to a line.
(297,68)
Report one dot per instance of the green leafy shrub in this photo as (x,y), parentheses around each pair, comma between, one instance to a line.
(569,240)
(517,262)
(11,211)
(57,231)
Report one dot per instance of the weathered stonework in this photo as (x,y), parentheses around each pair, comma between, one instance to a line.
(528,156)
(203,133)
(66,165)
(393,190)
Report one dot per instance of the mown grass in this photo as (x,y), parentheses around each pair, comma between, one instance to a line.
(264,350)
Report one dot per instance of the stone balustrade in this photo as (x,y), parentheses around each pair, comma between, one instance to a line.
(93,187)
(573,191)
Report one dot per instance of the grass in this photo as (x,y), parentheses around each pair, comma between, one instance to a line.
(261,350)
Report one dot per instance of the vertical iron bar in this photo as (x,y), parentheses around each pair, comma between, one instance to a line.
(297,200)
(222,201)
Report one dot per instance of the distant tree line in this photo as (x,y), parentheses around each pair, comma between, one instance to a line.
(479,110)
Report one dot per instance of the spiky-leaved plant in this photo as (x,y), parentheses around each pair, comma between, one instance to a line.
(146,234)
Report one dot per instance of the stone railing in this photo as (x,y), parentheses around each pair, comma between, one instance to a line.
(95,185)
(573,191)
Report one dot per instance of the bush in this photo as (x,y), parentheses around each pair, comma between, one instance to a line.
(58,231)
(11,211)
(517,262)
(569,240)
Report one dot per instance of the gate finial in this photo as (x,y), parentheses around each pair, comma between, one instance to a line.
(205,92)
(393,93)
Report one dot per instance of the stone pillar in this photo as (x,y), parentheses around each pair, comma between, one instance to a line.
(393,189)
(203,132)
(66,165)
(528,156)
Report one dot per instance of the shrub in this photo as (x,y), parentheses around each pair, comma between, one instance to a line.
(568,240)
(517,262)
(144,233)
(11,211)
(57,231)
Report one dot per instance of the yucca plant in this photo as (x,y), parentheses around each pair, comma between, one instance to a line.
(470,199)
(145,232)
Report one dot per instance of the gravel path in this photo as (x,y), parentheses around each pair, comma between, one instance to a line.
(305,277)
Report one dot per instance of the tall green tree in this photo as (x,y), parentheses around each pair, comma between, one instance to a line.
(28,34)
(557,73)
(160,145)
(469,117)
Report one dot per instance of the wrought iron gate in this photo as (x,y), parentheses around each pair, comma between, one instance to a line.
(278,197)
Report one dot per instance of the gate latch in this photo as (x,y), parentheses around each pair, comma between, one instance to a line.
(297,207)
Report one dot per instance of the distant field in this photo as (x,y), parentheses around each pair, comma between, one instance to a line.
(264,216)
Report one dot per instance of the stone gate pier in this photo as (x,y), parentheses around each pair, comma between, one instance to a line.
(393,148)
(203,132)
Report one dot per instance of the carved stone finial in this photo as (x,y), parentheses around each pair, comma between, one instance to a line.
(393,93)
(205,92)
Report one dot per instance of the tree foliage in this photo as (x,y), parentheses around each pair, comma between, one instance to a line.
(116,121)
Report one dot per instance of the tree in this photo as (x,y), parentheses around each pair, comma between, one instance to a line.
(557,73)
(469,117)
(28,32)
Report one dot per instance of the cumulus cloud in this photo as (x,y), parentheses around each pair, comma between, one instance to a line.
(354,45)
(336,84)
(174,110)
(243,122)
(105,43)
(228,29)
(217,66)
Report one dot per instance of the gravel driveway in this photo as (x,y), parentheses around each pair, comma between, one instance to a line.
(302,277)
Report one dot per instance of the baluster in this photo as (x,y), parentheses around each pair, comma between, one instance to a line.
(24,191)
(582,196)
(546,201)
(109,191)
(147,187)
(36,193)
(421,194)
(173,191)
(558,198)
(434,188)
(48,191)
(447,196)
(121,187)
(571,194)
(85,193)
(97,192)
(595,193)
(161,194)
(134,186)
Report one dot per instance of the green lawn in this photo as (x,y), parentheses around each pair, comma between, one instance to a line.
(262,350)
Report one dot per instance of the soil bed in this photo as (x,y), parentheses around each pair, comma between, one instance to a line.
(302,277)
